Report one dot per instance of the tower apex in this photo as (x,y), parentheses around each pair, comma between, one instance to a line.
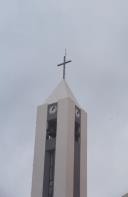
(61,91)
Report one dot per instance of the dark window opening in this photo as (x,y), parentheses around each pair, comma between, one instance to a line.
(51,130)
(51,173)
(50,149)
(77,154)
(77,131)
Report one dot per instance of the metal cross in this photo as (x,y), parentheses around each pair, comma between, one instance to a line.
(64,65)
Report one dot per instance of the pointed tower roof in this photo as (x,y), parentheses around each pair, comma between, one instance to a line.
(61,91)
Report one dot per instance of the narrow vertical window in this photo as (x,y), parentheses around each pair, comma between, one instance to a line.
(77,153)
(50,149)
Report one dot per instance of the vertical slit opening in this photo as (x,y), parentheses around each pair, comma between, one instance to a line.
(77,154)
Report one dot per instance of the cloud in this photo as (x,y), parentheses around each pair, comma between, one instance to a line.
(33,36)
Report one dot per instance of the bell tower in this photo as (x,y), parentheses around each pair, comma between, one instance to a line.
(60,154)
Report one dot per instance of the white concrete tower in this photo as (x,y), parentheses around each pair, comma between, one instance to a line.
(126,195)
(60,156)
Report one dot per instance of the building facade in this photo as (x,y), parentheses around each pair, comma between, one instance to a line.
(60,154)
(126,195)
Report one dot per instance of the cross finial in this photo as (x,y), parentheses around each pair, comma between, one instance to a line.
(64,64)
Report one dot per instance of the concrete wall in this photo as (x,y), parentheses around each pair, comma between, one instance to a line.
(39,152)
(83,161)
(126,195)
(64,156)
(64,149)
(64,170)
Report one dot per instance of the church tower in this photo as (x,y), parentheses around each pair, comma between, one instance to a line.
(60,155)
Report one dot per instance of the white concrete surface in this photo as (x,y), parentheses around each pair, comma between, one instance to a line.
(126,195)
(64,157)
(61,91)
(65,149)
(83,155)
(39,152)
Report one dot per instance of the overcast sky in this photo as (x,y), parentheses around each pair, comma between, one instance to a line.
(33,36)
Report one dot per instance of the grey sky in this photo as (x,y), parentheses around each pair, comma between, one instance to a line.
(33,35)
